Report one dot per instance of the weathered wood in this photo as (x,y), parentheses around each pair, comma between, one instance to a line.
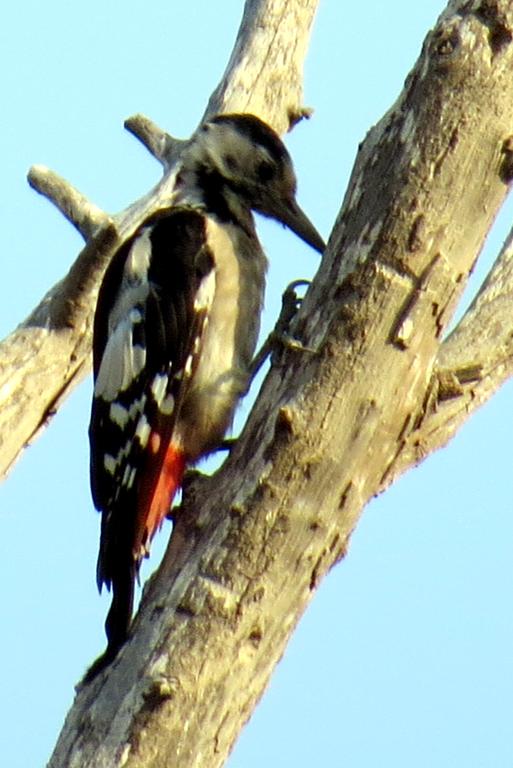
(331,427)
(474,361)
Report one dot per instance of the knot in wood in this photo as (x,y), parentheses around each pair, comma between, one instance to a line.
(506,162)
(446,40)
(495,20)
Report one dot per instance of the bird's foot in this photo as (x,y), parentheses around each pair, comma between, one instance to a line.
(280,337)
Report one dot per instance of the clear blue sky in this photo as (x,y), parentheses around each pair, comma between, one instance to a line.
(405,656)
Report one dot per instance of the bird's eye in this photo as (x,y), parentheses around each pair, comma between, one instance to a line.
(231,163)
(265,171)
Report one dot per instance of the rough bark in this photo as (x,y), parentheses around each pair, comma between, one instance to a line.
(471,365)
(376,388)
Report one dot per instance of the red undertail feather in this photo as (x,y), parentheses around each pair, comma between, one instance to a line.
(163,478)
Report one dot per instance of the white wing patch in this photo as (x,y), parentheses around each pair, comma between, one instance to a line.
(112,463)
(109,463)
(121,416)
(164,399)
(167,405)
(121,362)
(138,261)
(143,430)
(205,293)
(159,386)
(128,477)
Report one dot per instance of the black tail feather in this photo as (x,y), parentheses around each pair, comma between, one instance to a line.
(119,617)
(117,623)
(118,570)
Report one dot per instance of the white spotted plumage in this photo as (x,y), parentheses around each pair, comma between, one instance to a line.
(176,326)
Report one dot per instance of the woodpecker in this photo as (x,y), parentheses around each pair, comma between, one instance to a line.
(175,329)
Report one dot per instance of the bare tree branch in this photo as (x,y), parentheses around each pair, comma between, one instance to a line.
(57,335)
(329,429)
(158,142)
(265,72)
(41,363)
(85,217)
(473,362)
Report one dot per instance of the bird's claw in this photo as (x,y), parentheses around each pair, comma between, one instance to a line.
(280,336)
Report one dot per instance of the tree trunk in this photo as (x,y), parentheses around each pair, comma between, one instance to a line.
(376,388)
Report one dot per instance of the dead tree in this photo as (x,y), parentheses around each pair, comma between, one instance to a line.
(329,431)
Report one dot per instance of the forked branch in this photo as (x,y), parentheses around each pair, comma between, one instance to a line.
(329,427)
(41,361)
(471,365)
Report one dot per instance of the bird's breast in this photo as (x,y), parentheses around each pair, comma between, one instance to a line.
(229,338)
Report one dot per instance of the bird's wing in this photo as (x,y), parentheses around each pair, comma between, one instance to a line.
(150,315)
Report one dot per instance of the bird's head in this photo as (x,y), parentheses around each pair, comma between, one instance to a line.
(246,157)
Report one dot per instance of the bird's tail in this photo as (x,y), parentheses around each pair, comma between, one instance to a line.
(117,569)
(125,539)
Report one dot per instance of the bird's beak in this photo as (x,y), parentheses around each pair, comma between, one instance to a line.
(295,219)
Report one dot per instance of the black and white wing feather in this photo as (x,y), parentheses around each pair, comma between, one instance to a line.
(148,325)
